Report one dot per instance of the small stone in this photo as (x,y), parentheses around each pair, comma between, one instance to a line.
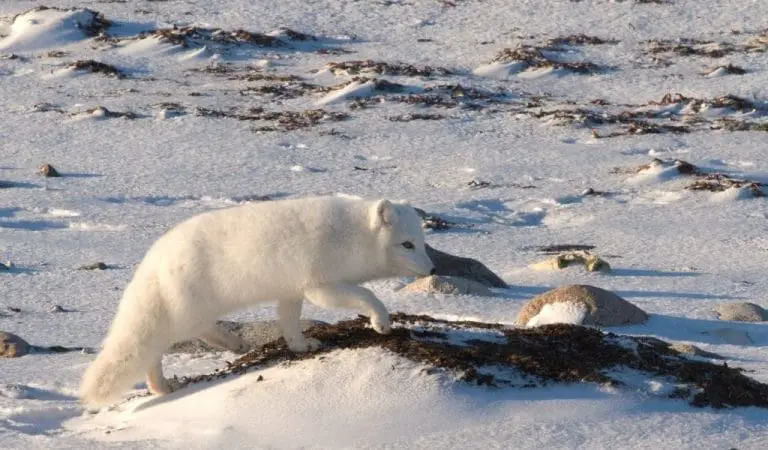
(741,312)
(604,308)
(95,266)
(692,350)
(12,346)
(57,309)
(448,285)
(48,171)
(5,266)
(14,309)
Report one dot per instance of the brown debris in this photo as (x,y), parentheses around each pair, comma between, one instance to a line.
(286,120)
(542,355)
(534,58)
(383,68)
(92,66)
(579,39)
(416,116)
(717,182)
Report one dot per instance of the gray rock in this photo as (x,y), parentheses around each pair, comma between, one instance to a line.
(457,266)
(12,346)
(692,350)
(742,312)
(94,266)
(731,336)
(604,308)
(448,285)
(254,334)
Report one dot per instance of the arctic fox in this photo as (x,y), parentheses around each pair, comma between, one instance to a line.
(317,248)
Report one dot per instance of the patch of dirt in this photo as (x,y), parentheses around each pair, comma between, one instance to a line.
(542,355)
(92,66)
(383,68)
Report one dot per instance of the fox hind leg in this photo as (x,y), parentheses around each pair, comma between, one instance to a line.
(289,319)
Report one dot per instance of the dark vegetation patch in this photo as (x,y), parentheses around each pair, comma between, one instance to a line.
(577,40)
(739,125)
(540,356)
(444,95)
(646,119)
(536,58)
(704,180)
(555,249)
(718,182)
(89,65)
(697,47)
(383,68)
(198,37)
(283,120)
(244,73)
(409,117)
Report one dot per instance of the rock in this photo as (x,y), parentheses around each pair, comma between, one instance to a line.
(457,266)
(57,309)
(731,336)
(448,285)
(742,312)
(12,346)
(48,171)
(592,263)
(5,266)
(94,266)
(692,350)
(255,334)
(604,308)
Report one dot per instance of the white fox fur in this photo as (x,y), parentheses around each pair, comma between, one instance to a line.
(317,248)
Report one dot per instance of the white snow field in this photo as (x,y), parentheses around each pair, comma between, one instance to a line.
(495,115)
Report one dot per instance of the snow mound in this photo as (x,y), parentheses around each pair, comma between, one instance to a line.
(563,312)
(355,89)
(43,28)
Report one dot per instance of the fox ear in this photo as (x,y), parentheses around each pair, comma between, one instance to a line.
(383,214)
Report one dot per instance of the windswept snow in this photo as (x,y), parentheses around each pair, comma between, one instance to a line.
(522,126)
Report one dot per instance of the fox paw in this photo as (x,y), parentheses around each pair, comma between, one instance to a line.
(304,345)
(381,324)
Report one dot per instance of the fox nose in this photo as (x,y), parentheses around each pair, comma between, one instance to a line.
(433,271)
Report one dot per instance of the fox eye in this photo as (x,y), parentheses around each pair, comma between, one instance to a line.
(408,245)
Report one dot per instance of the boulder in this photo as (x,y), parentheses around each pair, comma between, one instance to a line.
(742,312)
(448,285)
(458,266)
(603,308)
(12,346)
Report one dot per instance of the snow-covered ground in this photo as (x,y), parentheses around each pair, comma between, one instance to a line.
(196,119)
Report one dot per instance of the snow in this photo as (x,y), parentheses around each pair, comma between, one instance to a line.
(676,253)
(562,312)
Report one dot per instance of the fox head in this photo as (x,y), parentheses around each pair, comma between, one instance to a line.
(401,235)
